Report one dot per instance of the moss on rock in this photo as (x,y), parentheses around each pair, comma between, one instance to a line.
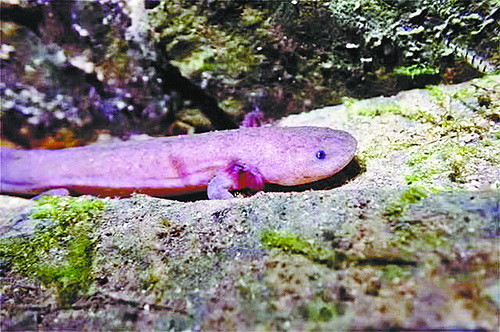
(292,243)
(60,252)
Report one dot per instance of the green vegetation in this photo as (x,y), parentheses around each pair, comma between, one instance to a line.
(459,134)
(410,196)
(449,159)
(393,272)
(296,244)
(385,108)
(414,238)
(60,252)
(380,109)
(320,311)
(416,70)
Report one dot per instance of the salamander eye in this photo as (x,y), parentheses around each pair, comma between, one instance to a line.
(321,154)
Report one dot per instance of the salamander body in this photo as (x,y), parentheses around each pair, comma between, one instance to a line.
(169,166)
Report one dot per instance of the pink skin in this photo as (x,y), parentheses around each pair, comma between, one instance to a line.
(169,166)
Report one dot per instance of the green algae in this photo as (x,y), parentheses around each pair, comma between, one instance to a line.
(410,196)
(454,135)
(296,244)
(453,156)
(394,273)
(317,310)
(452,159)
(416,70)
(418,238)
(381,109)
(60,252)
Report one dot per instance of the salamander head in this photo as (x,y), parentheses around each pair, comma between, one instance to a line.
(308,154)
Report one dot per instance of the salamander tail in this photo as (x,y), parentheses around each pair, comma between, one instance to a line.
(11,172)
(6,157)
